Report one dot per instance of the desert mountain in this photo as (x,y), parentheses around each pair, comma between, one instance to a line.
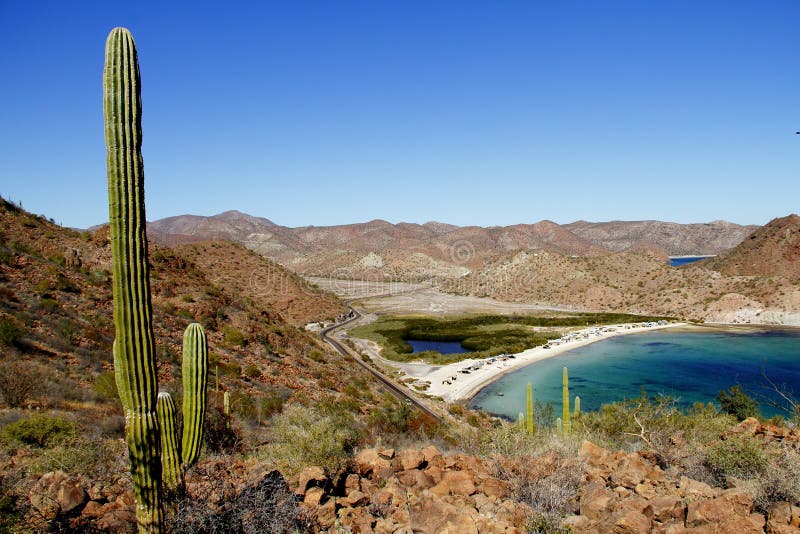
(773,250)
(413,251)
(676,239)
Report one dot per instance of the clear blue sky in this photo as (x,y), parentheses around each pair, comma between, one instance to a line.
(493,112)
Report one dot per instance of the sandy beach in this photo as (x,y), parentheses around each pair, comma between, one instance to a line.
(460,381)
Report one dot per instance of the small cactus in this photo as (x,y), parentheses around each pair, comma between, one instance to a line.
(577,412)
(565,400)
(559,425)
(521,421)
(195,376)
(226,403)
(530,425)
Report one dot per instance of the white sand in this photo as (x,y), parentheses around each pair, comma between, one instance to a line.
(466,385)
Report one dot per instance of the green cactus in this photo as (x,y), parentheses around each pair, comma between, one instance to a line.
(559,425)
(195,376)
(172,473)
(521,421)
(530,426)
(577,407)
(226,403)
(565,400)
(134,355)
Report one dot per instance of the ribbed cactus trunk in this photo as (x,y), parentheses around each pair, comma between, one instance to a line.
(170,445)
(577,407)
(530,426)
(134,355)
(195,378)
(565,400)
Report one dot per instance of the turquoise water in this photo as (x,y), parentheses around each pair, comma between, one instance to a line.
(687,365)
(442,347)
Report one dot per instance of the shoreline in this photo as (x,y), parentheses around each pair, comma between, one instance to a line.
(467,385)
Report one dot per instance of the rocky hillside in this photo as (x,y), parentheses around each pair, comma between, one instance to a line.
(633,283)
(773,250)
(673,238)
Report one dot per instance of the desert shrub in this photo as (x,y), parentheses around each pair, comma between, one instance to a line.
(304,436)
(268,506)
(19,382)
(219,433)
(392,416)
(736,458)
(66,285)
(40,430)
(233,370)
(105,385)
(271,404)
(234,337)
(47,304)
(736,402)
(317,356)
(84,455)
(252,371)
(10,332)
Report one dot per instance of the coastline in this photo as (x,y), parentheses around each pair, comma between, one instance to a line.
(465,386)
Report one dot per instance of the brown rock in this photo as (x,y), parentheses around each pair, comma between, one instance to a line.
(313,496)
(368,461)
(670,528)
(596,500)
(352,482)
(311,476)
(695,489)
(116,517)
(55,493)
(431,454)
(731,504)
(576,523)
(386,453)
(632,522)
(494,487)
(354,498)
(93,509)
(416,479)
(594,455)
(326,514)
(666,508)
(435,516)
(748,427)
(632,471)
(455,483)
(410,459)
(783,519)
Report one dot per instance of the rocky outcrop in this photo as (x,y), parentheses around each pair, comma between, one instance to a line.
(628,493)
(419,490)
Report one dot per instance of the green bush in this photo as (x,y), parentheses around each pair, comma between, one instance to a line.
(252,371)
(41,430)
(10,333)
(20,381)
(234,337)
(737,403)
(737,457)
(304,436)
(105,385)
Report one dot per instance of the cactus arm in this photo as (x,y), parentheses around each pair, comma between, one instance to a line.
(170,445)
(195,377)
(565,400)
(134,355)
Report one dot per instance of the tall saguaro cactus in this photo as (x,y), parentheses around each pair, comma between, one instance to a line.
(134,355)
(565,400)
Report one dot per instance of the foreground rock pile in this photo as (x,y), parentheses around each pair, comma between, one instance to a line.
(412,491)
(628,493)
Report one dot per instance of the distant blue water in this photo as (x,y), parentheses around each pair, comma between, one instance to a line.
(677,262)
(442,347)
(690,366)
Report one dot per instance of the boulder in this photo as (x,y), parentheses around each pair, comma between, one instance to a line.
(666,508)
(783,519)
(369,461)
(435,516)
(632,522)
(313,496)
(631,472)
(410,459)
(455,483)
(416,479)
(55,493)
(596,500)
(594,455)
(731,505)
(354,498)
(311,476)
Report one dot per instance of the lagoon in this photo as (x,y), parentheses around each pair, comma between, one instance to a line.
(689,365)
(442,347)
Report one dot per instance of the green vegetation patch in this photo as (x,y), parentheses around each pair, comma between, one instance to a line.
(483,335)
